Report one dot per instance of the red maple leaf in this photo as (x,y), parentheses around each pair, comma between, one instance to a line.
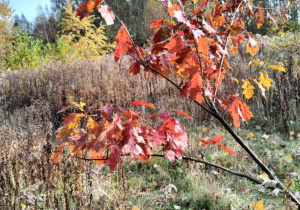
(194,88)
(124,43)
(114,158)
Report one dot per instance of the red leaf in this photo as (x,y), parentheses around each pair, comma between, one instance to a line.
(124,43)
(175,45)
(215,140)
(183,114)
(227,149)
(107,14)
(112,133)
(208,141)
(135,68)
(194,88)
(114,159)
(106,110)
(142,102)
(239,39)
(120,51)
(63,109)
(170,155)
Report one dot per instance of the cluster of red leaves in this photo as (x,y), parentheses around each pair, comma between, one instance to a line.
(192,47)
(195,49)
(118,132)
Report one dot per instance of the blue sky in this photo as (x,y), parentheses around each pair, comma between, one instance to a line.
(28,8)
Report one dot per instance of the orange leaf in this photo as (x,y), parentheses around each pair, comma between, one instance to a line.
(183,114)
(215,140)
(252,46)
(203,45)
(173,8)
(56,154)
(142,102)
(157,23)
(238,109)
(219,21)
(86,8)
(98,155)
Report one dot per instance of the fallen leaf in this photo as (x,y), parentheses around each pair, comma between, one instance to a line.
(250,135)
(264,177)
(258,205)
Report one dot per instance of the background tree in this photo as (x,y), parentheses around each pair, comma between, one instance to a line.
(23,23)
(6,26)
(83,35)
(45,25)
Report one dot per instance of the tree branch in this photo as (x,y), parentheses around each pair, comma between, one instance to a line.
(252,179)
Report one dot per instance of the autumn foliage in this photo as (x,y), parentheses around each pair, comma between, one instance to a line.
(118,132)
(194,47)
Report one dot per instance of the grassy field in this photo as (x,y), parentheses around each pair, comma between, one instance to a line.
(29,102)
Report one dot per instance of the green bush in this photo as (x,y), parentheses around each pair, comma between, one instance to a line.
(30,52)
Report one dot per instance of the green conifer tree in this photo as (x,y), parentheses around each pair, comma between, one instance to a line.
(83,35)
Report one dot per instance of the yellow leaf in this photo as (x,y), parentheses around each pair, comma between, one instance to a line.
(135,208)
(259,205)
(265,80)
(257,63)
(279,68)
(248,89)
(289,158)
(264,177)
(23,206)
(80,105)
(235,79)
(250,135)
(204,129)
(195,1)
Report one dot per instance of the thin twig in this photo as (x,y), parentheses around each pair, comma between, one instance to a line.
(225,46)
